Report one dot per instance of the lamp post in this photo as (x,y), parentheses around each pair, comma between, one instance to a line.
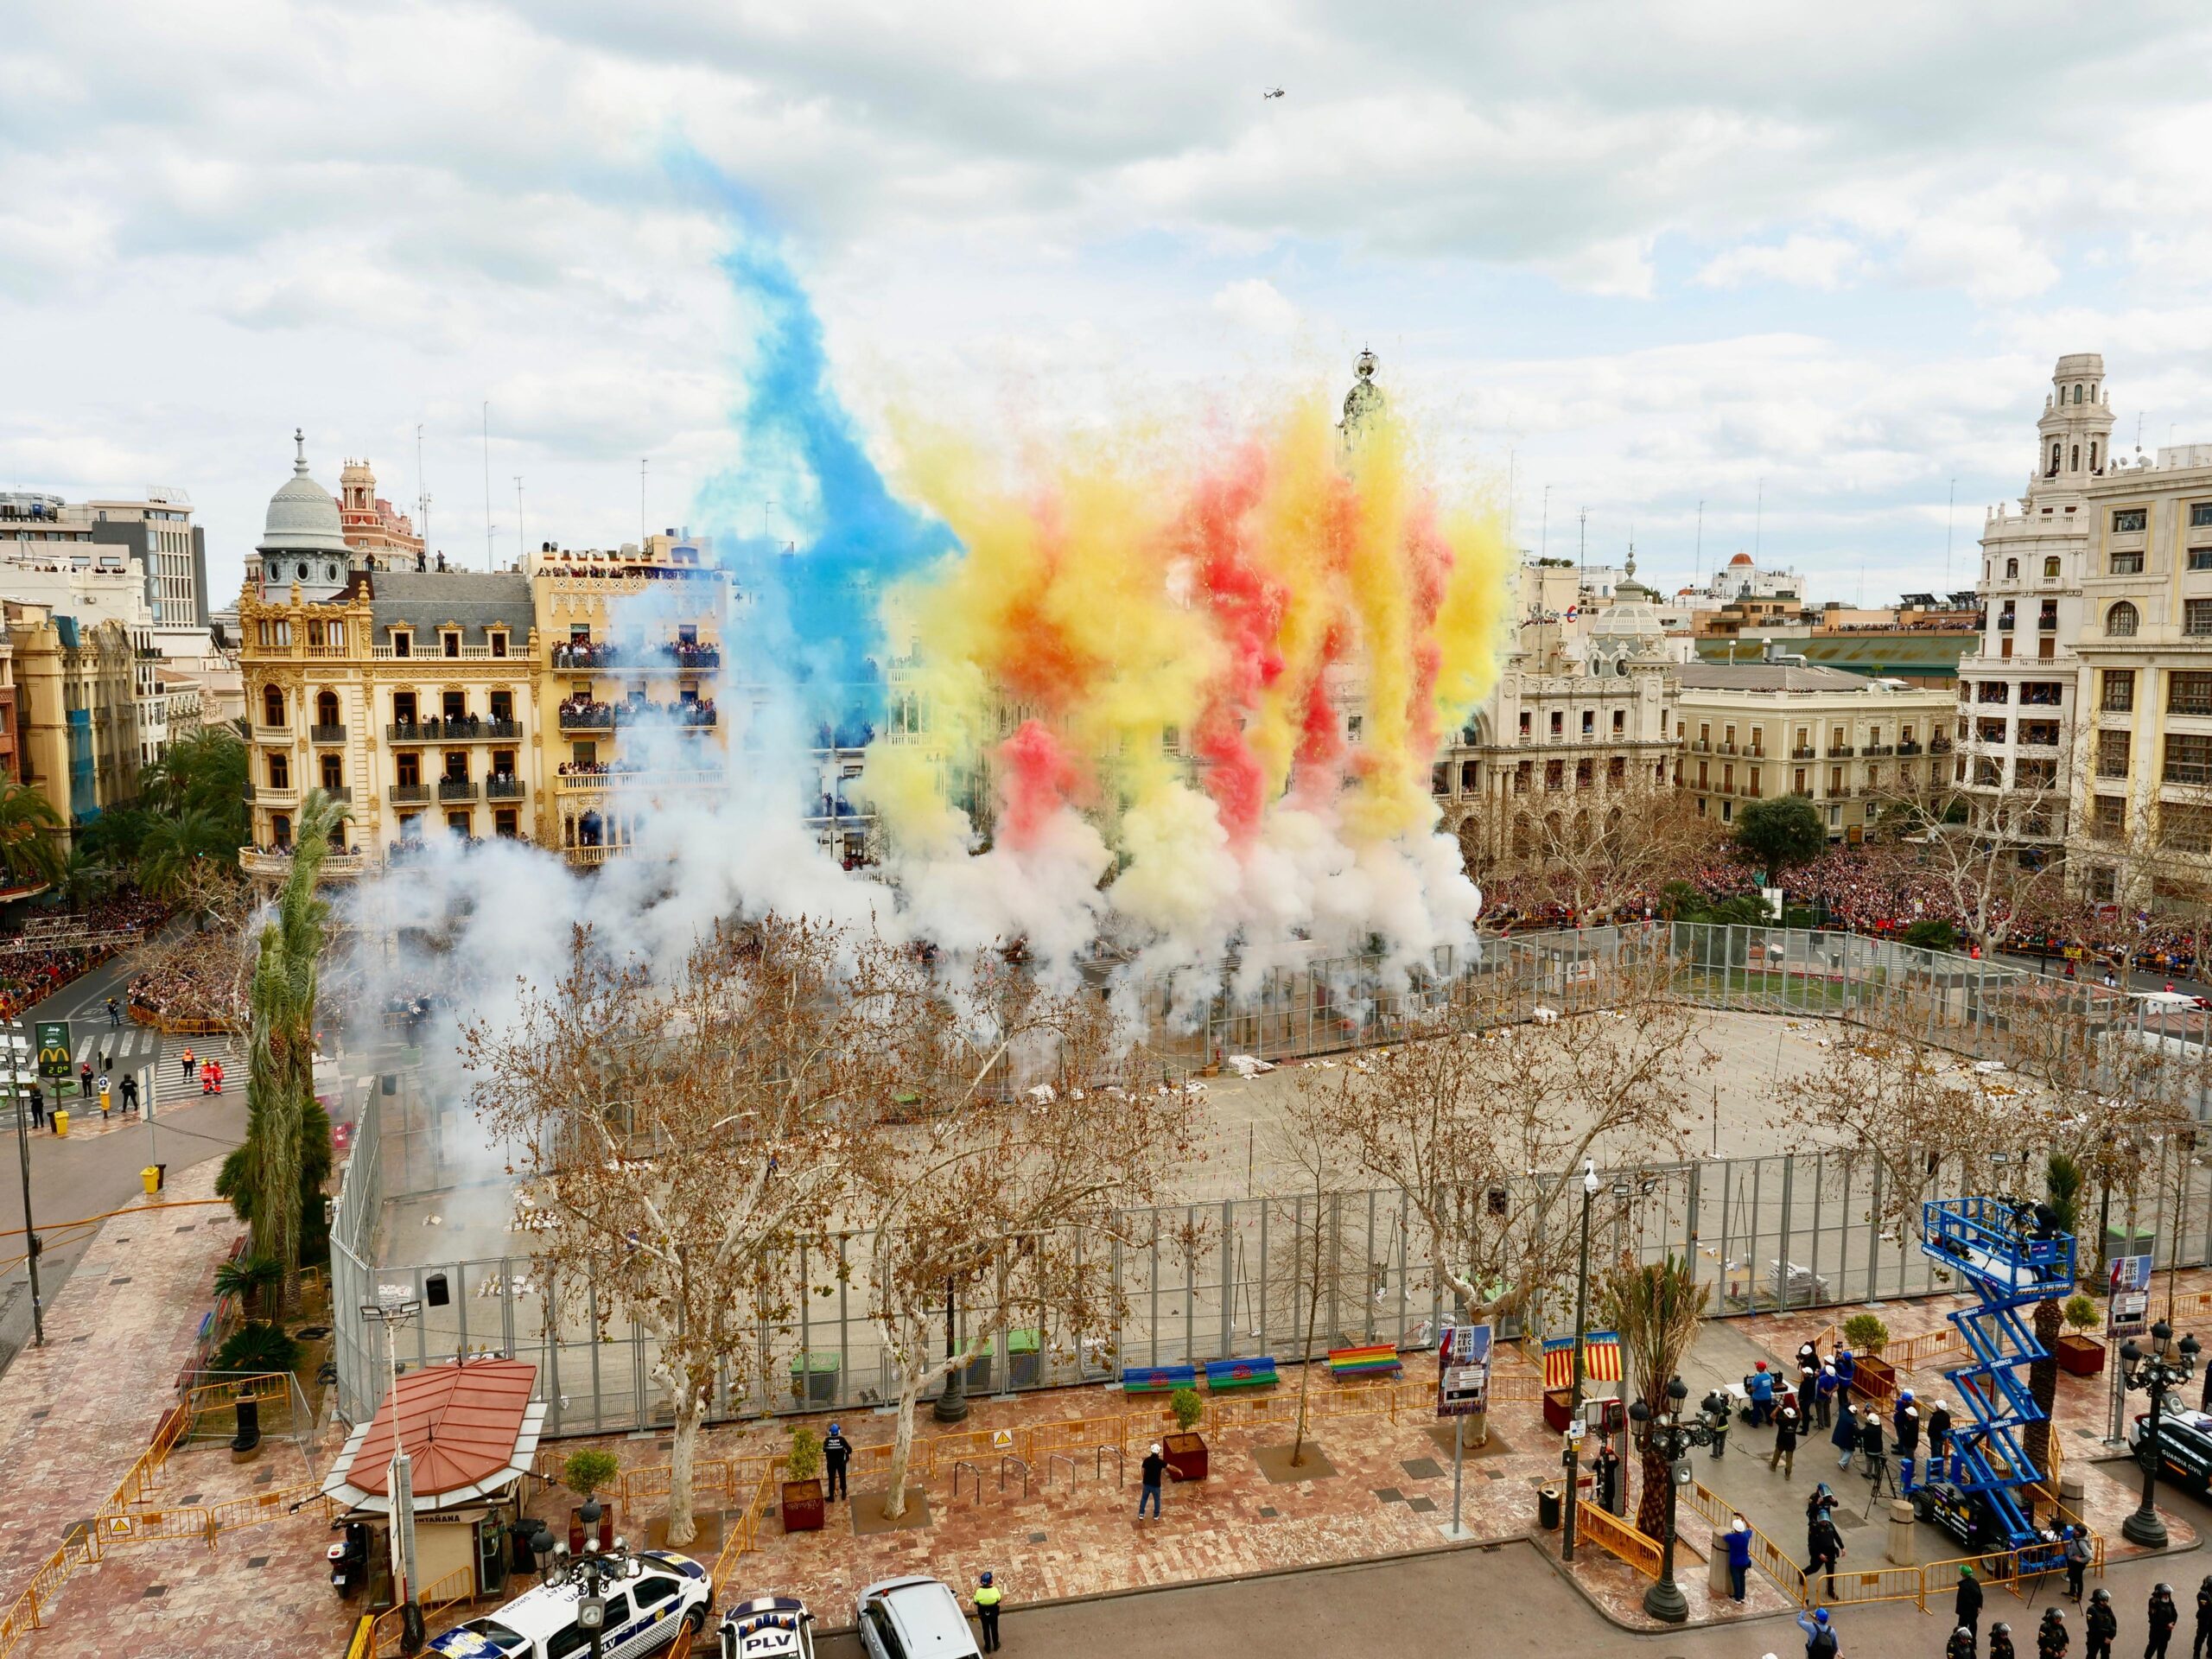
(2154,1371)
(1574,1455)
(952,1399)
(31,1244)
(1666,1433)
(393,1307)
(590,1571)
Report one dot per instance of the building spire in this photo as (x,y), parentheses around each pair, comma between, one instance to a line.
(300,460)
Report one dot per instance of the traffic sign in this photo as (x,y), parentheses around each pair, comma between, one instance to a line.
(54,1048)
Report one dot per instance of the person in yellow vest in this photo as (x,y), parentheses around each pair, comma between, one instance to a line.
(987,1610)
(104,1102)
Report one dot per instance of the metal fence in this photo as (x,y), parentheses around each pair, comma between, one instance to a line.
(1239,1277)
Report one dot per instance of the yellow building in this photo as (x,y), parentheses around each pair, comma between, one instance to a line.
(76,707)
(1755,731)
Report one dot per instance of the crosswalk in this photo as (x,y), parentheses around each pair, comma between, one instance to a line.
(132,1049)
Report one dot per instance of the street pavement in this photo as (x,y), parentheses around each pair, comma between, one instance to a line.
(91,1173)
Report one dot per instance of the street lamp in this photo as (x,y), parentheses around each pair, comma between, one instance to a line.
(952,1399)
(2154,1371)
(591,1571)
(1575,1397)
(1671,1438)
(394,1306)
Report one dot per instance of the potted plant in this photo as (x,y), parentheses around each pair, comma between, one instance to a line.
(2079,1353)
(1867,1335)
(802,1501)
(1184,1451)
(585,1473)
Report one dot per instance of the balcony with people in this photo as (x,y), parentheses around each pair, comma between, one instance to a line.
(678,655)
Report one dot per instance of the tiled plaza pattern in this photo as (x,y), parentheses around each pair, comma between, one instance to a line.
(1390,1493)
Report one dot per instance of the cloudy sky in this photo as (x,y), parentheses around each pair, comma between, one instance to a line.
(1649,256)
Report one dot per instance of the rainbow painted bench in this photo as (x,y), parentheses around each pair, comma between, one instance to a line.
(1242,1373)
(1157,1379)
(1378,1359)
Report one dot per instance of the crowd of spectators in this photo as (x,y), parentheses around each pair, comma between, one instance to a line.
(37,969)
(191,990)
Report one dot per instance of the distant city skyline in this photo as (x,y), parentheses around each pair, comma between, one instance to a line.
(1594,249)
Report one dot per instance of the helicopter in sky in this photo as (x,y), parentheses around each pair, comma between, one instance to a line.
(1272,91)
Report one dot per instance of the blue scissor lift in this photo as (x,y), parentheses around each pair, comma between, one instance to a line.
(1995,1247)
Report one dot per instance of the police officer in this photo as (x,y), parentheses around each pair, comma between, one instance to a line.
(2164,1615)
(2052,1637)
(2103,1625)
(836,1452)
(1960,1645)
(2000,1641)
(987,1612)
(1824,1547)
(2203,1618)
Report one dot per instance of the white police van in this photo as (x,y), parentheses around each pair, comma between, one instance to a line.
(663,1594)
(768,1627)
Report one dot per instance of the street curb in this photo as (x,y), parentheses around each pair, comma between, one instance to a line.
(1445,1547)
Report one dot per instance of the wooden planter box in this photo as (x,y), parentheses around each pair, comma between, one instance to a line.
(1185,1456)
(802,1506)
(1877,1378)
(606,1527)
(2080,1356)
(1559,1409)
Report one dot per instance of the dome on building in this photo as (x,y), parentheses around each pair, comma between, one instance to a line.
(303,516)
(1743,559)
(1628,628)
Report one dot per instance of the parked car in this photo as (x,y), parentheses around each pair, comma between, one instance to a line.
(662,1594)
(913,1618)
(768,1627)
(2183,1445)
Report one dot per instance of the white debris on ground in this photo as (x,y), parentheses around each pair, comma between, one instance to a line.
(1246,1065)
(1544,1016)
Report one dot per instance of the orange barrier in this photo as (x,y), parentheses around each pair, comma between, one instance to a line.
(1767,1556)
(451,1590)
(1614,1535)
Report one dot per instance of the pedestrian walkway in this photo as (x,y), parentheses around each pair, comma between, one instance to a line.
(157,1060)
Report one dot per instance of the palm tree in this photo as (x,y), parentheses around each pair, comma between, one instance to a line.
(30,840)
(266,1178)
(250,1278)
(176,844)
(1656,1308)
(2062,1182)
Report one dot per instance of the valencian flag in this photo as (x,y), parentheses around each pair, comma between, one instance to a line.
(1601,1359)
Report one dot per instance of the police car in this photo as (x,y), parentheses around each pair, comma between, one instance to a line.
(768,1627)
(2183,1445)
(662,1594)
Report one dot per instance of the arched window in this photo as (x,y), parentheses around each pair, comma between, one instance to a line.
(2120,621)
(2012,569)
(272,706)
(2077,392)
(2050,566)
(2054,452)
(326,709)
(2093,454)
(280,831)
(2077,457)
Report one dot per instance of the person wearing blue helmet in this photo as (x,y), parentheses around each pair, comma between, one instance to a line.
(1820,1634)
(988,1597)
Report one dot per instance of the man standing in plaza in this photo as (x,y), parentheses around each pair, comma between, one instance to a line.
(1966,1606)
(1156,1470)
(836,1452)
(987,1612)
(1785,1443)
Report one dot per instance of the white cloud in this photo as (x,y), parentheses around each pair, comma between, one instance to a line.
(1802,261)
(1257,306)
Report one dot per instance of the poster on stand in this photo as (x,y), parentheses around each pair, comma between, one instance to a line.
(2130,1303)
(1463,1371)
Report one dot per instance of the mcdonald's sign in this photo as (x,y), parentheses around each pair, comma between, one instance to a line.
(54,1048)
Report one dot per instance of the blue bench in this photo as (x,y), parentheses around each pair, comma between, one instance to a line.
(1241,1373)
(1157,1379)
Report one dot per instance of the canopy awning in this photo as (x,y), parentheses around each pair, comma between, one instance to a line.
(470,1429)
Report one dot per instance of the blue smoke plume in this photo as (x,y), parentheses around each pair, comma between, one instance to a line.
(815,604)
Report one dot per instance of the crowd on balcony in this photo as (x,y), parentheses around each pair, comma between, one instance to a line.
(605,653)
(585,711)
(600,768)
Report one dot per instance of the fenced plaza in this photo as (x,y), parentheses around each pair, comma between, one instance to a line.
(422,1205)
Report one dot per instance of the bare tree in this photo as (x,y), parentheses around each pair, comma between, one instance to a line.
(1987,857)
(681,1134)
(1601,847)
(1486,1132)
(1310,1266)
(1037,1149)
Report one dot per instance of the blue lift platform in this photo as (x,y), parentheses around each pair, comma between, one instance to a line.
(2012,1258)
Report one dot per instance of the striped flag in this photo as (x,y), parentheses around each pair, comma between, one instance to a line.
(1601,1359)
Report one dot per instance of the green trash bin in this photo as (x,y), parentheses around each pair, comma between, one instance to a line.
(1025,1358)
(814,1379)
